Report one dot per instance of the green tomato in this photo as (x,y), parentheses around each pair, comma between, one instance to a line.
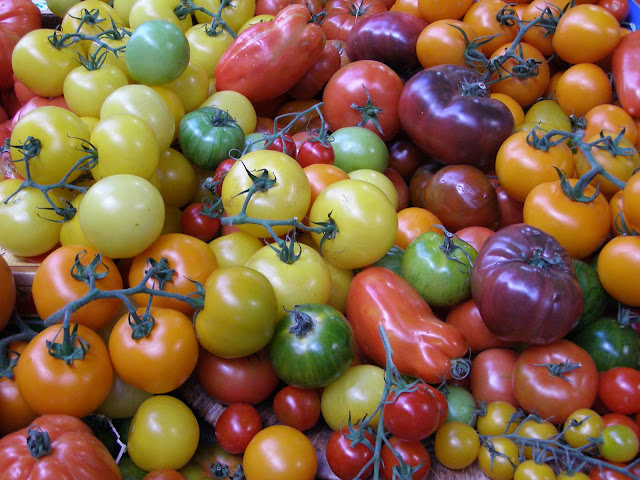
(595,296)
(164,433)
(312,346)
(619,443)
(355,394)
(391,260)
(157,52)
(439,268)
(208,136)
(121,215)
(356,148)
(461,405)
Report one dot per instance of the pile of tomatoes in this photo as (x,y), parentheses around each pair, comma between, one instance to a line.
(409,229)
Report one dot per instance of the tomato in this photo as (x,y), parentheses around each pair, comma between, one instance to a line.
(581,427)
(206,46)
(513,106)
(618,262)
(503,465)
(207,135)
(148,10)
(89,19)
(412,222)
(7,294)
(234,249)
(268,455)
(618,8)
(568,372)
(619,443)
(177,178)
(121,215)
(146,103)
(580,227)
(208,457)
(312,346)
(346,460)
(163,474)
(630,196)
(409,456)
(123,400)
(249,379)
(195,224)
(236,426)
(483,17)
(42,66)
(235,14)
(297,407)
(315,79)
(536,428)
(624,75)
(521,166)
(380,180)
(126,144)
(170,350)
(456,445)
(163,433)
(610,119)
(19,16)
(534,470)
(15,413)
(436,116)
(59,281)
(619,390)
(499,418)
(7,44)
(492,374)
(65,446)
(434,10)
(412,415)
(50,385)
(538,36)
(390,38)
(61,135)
(342,16)
(586,34)
(84,90)
(313,152)
(365,219)
(582,87)
(352,396)
(288,197)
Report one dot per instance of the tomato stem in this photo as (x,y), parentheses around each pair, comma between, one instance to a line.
(38,442)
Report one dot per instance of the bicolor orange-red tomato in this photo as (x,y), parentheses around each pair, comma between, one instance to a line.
(619,267)
(191,259)
(631,198)
(168,353)
(586,34)
(582,87)
(520,166)
(538,36)
(432,10)
(482,16)
(610,120)
(524,91)
(443,42)
(620,165)
(580,227)
(63,277)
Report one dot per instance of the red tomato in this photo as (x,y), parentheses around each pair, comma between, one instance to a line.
(220,172)
(619,390)
(194,223)
(20,16)
(289,146)
(8,40)
(492,375)
(401,187)
(314,151)
(412,415)
(236,426)
(7,293)
(346,461)
(342,15)
(475,235)
(297,407)
(414,455)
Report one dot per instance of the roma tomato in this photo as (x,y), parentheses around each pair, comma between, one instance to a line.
(65,276)
(50,385)
(568,372)
(625,74)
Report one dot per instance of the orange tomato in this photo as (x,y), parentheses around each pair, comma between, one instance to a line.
(482,17)
(582,87)
(432,10)
(514,107)
(610,119)
(631,198)
(538,36)
(619,269)
(443,42)
(412,222)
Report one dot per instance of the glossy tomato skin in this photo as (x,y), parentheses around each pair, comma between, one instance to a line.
(314,79)
(437,117)
(626,74)
(520,300)
(342,16)
(312,346)
(491,375)
(297,407)
(236,426)
(619,390)
(75,452)
(412,453)
(550,395)
(388,37)
(347,461)
(412,415)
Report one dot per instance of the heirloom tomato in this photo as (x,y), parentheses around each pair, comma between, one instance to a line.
(65,276)
(357,147)
(163,433)
(297,407)
(516,283)
(51,385)
(8,41)
(314,79)
(596,299)
(269,455)
(20,16)
(343,15)
(366,223)
(412,222)
(618,264)
(237,105)
(624,68)
(568,374)
(312,346)
(240,312)
(58,445)
(169,350)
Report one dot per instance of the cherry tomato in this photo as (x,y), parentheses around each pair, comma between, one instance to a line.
(347,461)
(619,390)
(492,374)
(618,265)
(412,415)
(236,426)
(456,445)
(582,426)
(412,454)
(297,407)
(194,223)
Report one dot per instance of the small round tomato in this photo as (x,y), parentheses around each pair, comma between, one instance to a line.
(164,433)
(618,266)
(413,222)
(177,178)
(610,120)
(536,429)
(236,426)
(582,87)
(582,426)
(312,152)
(499,418)
(347,461)
(357,147)
(456,445)
(619,390)
(269,455)
(619,443)
(321,176)
(483,17)
(194,223)
(409,455)
(235,248)
(205,49)
(533,470)
(412,415)
(491,375)
(499,467)
(433,10)
(163,474)
(297,407)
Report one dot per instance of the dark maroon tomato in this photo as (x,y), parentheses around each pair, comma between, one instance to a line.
(312,151)
(412,415)
(236,426)
(248,379)
(221,172)
(412,453)
(510,209)
(401,187)
(289,146)
(314,80)
(450,125)
(388,37)
(194,223)
(462,196)
(345,461)
(405,156)
(297,407)
(418,181)
(525,286)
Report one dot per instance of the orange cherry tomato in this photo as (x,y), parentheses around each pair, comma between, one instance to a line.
(482,16)
(582,87)
(443,42)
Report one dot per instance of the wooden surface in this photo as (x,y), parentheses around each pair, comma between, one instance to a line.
(209,410)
